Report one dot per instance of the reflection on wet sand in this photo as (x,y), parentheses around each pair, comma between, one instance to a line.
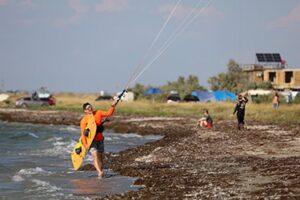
(110,184)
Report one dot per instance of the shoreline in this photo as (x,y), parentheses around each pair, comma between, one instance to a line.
(191,163)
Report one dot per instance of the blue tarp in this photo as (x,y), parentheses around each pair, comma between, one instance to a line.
(224,96)
(153,91)
(204,95)
(214,96)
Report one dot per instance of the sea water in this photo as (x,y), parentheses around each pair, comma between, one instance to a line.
(35,163)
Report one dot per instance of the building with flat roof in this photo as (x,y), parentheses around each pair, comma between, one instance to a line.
(270,67)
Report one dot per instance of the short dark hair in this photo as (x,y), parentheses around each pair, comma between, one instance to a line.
(86,105)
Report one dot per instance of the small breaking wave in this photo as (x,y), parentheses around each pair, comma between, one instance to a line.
(17,178)
(54,139)
(59,149)
(131,135)
(69,129)
(153,137)
(25,173)
(45,186)
(23,135)
(32,171)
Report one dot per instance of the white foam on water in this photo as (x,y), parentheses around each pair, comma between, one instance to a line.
(60,148)
(45,186)
(131,135)
(17,178)
(69,129)
(89,157)
(58,138)
(58,143)
(33,135)
(23,135)
(25,173)
(108,138)
(121,136)
(115,138)
(152,137)
(32,171)
(54,139)
(43,189)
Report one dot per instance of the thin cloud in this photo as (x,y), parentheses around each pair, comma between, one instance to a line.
(111,5)
(182,10)
(212,12)
(291,20)
(27,3)
(79,9)
(3,2)
(78,6)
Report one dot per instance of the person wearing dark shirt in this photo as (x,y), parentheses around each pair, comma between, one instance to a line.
(240,110)
(206,120)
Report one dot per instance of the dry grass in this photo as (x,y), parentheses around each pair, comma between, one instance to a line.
(71,101)
(218,110)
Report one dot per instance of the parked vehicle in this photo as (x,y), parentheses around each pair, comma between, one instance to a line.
(190,98)
(105,97)
(33,102)
(173,98)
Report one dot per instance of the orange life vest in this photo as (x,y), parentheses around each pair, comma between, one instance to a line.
(99,115)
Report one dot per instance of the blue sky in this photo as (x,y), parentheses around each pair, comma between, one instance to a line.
(89,45)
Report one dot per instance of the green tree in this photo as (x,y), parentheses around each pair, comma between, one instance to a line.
(184,86)
(264,85)
(138,90)
(234,80)
(192,84)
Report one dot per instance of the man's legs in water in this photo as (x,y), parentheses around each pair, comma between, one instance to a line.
(97,150)
(98,162)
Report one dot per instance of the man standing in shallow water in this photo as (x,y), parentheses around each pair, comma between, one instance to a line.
(97,146)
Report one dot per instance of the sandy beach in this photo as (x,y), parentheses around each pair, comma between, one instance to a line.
(261,162)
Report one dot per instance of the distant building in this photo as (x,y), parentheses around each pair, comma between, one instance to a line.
(270,67)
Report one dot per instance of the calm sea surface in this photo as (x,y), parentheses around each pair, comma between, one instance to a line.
(35,163)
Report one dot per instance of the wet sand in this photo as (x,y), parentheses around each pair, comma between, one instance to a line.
(261,162)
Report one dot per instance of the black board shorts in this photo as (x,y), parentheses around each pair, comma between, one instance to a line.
(97,146)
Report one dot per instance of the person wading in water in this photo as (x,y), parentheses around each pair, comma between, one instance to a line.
(97,146)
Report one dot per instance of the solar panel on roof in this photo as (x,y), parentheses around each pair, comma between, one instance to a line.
(260,57)
(268,57)
(277,57)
